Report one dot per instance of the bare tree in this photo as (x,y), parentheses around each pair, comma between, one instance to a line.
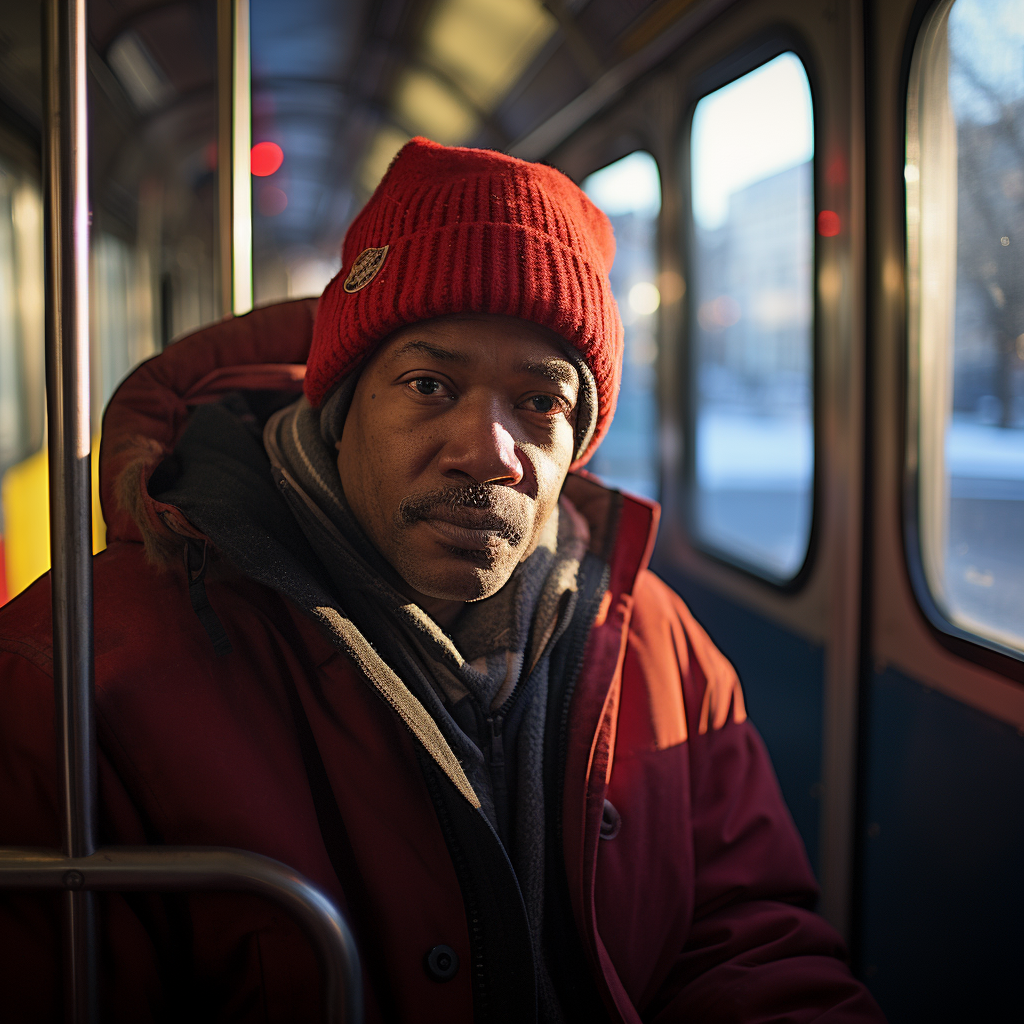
(990,223)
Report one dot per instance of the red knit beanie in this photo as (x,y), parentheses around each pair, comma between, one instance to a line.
(453,230)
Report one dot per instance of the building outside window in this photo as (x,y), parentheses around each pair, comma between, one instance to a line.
(965,246)
(750,268)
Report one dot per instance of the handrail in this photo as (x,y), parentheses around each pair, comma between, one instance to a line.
(193,869)
(234,140)
(66,212)
(80,869)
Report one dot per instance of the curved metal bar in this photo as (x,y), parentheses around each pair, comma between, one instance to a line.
(184,868)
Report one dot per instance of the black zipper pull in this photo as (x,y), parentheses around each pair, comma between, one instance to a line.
(497,747)
(499,784)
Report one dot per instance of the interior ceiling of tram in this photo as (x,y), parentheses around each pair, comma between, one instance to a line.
(339,86)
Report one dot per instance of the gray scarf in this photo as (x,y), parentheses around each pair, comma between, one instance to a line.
(497,654)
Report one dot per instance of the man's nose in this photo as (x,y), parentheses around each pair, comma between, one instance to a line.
(481,447)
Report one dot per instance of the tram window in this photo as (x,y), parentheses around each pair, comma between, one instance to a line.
(121,305)
(21,316)
(965,231)
(22,472)
(629,192)
(751,256)
(122,334)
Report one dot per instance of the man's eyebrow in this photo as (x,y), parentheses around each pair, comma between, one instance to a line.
(443,354)
(558,371)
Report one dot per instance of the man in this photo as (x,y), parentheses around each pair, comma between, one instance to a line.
(390,635)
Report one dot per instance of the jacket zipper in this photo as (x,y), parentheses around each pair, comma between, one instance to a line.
(496,769)
(576,639)
(497,759)
(558,903)
(571,664)
(496,748)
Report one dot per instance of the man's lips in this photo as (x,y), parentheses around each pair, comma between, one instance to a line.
(469,538)
(476,518)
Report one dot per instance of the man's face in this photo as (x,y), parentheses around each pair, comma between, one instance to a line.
(460,434)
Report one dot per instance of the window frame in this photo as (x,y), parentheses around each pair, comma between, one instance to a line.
(639,144)
(985,651)
(758,50)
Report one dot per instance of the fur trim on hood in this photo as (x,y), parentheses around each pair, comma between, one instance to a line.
(266,350)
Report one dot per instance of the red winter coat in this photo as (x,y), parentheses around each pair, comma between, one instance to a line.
(697,909)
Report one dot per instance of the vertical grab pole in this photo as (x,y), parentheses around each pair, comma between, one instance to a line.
(234,141)
(241,145)
(225,94)
(67,380)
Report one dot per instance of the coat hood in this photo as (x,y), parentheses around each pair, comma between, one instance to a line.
(266,350)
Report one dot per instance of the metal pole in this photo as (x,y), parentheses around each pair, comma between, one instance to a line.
(191,869)
(225,64)
(234,142)
(80,870)
(68,422)
(241,146)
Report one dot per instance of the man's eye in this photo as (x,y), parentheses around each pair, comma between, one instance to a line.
(426,385)
(546,404)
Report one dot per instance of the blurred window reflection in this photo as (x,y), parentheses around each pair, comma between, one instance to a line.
(965,229)
(21,315)
(751,153)
(122,331)
(23,533)
(629,192)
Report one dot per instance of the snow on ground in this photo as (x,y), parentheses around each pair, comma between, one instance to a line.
(979,450)
(736,449)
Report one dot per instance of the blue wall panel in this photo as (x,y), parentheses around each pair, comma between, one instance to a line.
(943,924)
(783,679)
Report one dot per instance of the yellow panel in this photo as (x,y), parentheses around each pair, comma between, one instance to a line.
(25,494)
(485,44)
(432,109)
(386,143)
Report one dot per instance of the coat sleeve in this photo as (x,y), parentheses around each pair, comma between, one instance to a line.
(30,923)
(150,966)
(756,952)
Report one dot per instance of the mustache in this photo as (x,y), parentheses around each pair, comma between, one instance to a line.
(475,507)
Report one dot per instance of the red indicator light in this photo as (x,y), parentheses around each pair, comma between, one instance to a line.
(828,223)
(265,158)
